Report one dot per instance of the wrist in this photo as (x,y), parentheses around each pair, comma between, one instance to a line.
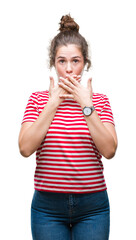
(86,103)
(53,104)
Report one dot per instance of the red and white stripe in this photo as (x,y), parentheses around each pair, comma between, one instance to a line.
(68,160)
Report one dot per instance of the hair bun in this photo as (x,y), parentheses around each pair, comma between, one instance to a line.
(68,24)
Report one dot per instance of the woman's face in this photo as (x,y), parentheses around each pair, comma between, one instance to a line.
(69,61)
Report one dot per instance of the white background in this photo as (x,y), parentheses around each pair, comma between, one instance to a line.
(26,28)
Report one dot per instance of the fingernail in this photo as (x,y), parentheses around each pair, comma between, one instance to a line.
(61,78)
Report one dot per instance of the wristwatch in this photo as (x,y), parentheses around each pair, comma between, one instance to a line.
(87,111)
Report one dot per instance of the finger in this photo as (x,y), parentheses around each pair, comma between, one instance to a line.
(77,77)
(74,76)
(51,85)
(89,86)
(66,82)
(65,87)
(89,83)
(66,96)
(51,82)
(72,80)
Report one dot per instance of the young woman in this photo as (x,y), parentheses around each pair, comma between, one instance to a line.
(70,128)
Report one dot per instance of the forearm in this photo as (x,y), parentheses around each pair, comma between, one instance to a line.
(102,137)
(32,137)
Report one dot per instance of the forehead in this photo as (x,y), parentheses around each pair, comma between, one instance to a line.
(69,50)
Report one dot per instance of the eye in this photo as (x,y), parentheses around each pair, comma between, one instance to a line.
(75,60)
(61,61)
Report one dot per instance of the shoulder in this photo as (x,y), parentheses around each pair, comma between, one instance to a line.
(101,100)
(99,97)
(40,95)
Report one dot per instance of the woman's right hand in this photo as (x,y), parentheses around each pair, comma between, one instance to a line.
(55,91)
(32,133)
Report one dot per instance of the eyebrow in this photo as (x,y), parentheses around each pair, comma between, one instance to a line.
(60,57)
(65,57)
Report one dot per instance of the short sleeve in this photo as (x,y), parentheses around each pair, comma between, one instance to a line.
(31,112)
(106,112)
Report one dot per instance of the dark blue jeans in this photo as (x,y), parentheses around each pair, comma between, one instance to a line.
(62,216)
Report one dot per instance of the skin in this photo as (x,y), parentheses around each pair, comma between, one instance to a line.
(69,65)
(69,61)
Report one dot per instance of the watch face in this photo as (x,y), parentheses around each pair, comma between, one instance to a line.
(87,111)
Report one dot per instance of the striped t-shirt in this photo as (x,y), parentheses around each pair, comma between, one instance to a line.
(67,160)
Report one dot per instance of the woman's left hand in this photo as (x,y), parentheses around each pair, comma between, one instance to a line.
(103,134)
(81,94)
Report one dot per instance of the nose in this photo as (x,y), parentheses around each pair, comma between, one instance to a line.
(69,68)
